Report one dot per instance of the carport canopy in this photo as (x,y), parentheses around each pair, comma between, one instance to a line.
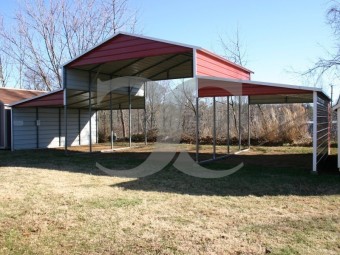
(258,92)
(140,57)
(273,93)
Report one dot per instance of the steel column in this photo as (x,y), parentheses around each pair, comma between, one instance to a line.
(111,125)
(65,106)
(214,127)
(129,114)
(12,130)
(330,118)
(145,124)
(96,126)
(37,126)
(248,124)
(228,126)
(79,127)
(59,126)
(239,123)
(197,129)
(90,111)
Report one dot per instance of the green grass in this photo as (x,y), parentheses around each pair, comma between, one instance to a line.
(52,203)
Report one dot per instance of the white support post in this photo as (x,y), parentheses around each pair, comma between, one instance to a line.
(194,75)
(315,131)
(228,126)
(197,130)
(248,124)
(338,134)
(12,130)
(111,117)
(90,110)
(96,126)
(330,120)
(145,124)
(65,107)
(129,115)
(214,127)
(239,123)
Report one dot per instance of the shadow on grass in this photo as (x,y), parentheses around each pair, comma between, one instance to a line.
(284,174)
(253,179)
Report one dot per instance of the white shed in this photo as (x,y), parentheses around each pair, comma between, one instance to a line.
(9,96)
(38,123)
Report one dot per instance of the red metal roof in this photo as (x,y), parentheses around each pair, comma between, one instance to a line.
(52,99)
(155,59)
(217,87)
(11,95)
(247,90)
(123,47)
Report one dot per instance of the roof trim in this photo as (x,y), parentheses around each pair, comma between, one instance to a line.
(34,90)
(193,47)
(134,35)
(271,84)
(31,90)
(36,97)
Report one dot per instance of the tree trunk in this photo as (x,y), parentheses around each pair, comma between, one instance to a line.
(234,114)
(2,79)
(123,122)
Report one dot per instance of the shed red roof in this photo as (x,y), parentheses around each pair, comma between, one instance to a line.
(155,59)
(123,47)
(51,99)
(258,92)
(10,95)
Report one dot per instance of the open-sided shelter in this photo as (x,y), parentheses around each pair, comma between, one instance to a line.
(143,58)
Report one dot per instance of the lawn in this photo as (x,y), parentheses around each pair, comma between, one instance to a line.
(52,203)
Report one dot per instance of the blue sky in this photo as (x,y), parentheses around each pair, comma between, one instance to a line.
(278,35)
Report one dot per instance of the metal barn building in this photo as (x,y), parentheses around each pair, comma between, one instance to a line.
(68,117)
(9,96)
(38,122)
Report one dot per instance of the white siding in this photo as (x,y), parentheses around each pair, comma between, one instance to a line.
(77,79)
(27,135)
(24,128)
(322,127)
(49,127)
(72,127)
(85,130)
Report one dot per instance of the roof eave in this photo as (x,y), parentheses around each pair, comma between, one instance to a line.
(129,34)
(33,98)
(288,86)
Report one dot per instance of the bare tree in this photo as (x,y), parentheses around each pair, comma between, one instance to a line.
(331,62)
(5,70)
(45,34)
(2,78)
(234,50)
(4,65)
(155,99)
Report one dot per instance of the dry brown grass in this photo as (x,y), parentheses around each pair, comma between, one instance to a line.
(50,204)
